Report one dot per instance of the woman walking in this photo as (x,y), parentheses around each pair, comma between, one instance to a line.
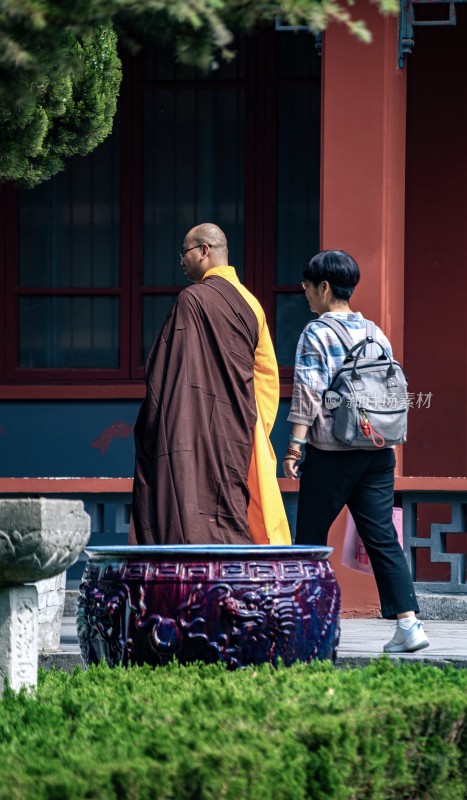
(334,474)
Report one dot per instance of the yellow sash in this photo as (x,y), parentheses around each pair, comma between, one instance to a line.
(267,519)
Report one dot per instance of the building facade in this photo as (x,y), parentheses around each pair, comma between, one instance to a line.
(290,148)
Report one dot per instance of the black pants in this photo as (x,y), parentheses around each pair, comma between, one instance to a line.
(364,481)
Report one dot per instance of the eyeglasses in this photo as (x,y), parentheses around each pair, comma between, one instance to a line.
(182,253)
(305,284)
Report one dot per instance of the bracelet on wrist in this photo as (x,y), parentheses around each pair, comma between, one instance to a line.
(297,441)
(293,454)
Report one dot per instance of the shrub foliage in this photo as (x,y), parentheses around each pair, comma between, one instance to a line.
(202,733)
(59,70)
(60,111)
(199,29)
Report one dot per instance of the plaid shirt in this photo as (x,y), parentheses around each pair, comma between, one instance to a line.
(320,355)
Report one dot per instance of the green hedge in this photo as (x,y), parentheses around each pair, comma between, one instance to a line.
(202,733)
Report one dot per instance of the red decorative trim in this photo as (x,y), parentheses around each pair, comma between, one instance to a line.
(125,485)
(406,483)
(74,392)
(65,485)
(289,484)
(37,377)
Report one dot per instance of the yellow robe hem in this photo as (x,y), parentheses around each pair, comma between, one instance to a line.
(267,519)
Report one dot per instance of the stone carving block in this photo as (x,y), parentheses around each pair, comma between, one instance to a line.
(40,538)
(18,636)
(51,599)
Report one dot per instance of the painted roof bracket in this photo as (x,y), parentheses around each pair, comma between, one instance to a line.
(318,37)
(408,21)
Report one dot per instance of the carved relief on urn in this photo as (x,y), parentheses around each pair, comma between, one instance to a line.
(238,605)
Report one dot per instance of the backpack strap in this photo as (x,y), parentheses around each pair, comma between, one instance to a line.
(371,350)
(340,330)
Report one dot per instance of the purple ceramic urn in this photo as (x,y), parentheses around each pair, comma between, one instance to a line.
(215,603)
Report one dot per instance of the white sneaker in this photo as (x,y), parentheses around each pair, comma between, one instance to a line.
(407,641)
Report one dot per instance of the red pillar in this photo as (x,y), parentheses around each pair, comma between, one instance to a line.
(362,196)
(363,163)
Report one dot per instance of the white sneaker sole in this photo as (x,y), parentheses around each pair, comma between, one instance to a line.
(400,648)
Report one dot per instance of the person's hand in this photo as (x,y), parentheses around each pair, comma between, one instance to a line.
(290,467)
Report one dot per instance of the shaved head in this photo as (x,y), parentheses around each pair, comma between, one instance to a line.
(213,250)
(209,233)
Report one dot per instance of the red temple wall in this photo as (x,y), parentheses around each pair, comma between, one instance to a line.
(435,341)
(394,194)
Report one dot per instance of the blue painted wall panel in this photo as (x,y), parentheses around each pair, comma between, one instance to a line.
(73,439)
(280,433)
(80,438)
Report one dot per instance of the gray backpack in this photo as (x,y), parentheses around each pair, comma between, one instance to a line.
(368,396)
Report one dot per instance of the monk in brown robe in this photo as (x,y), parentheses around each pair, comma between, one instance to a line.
(205,468)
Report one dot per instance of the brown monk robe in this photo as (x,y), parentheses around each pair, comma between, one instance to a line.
(194,433)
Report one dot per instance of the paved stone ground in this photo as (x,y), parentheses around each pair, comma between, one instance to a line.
(361,640)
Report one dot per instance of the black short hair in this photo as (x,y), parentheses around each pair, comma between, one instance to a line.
(338,268)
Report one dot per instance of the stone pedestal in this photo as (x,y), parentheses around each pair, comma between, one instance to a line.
(39,540)
(51,604)
(18,636)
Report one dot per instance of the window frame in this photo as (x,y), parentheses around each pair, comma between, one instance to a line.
(259,235)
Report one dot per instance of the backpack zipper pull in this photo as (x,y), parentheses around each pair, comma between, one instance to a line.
(368,430)
(364,423)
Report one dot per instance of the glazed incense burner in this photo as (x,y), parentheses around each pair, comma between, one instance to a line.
(238,605)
